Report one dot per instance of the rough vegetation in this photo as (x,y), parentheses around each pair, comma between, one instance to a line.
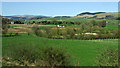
(27,56)
(109,57)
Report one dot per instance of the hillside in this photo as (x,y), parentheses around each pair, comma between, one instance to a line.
(98,15)
(26,17)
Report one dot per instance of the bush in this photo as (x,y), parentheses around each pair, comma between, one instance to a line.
(71,33)
(35,30)
(4,28)
(83,26)
(26,56)
(54,56)
(64,33)
(94,23)
(30,56)
(21,56)
(102,23)
(54,33)
(38,32)
(107,58)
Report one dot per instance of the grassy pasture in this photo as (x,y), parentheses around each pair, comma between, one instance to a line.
(72,19)
(111,27)
(82,51)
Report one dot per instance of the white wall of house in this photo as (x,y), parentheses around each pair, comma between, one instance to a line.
(60,26)
(12,22)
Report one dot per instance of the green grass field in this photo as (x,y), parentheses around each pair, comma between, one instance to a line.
(82,51)
(111,27)
(72,19)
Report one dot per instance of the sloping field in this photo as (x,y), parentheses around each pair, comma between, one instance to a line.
(82,51)
(30,25)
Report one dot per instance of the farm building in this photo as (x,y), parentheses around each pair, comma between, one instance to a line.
(60,26)
(12,22)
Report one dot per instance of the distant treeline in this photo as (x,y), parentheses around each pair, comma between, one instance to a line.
(55,22)
(92,22)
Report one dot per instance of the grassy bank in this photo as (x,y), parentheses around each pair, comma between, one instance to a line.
(82,51)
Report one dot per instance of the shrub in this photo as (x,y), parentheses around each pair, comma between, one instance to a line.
(63,33)
(53,33)
(102,23)
(16,34)
(94,23)
(46,32)
(22,56)
(109,57)
(111,35)
(37,31)
(83,26)
(4,28)
(54,56)
(71,33)
(30,56)
(26,56)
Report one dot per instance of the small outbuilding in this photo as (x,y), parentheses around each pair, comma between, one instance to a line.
(107,22)
(60,26)
(12,22)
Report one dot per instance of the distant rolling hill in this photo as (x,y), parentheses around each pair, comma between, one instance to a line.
(99,15)
(25,17)
(88,13)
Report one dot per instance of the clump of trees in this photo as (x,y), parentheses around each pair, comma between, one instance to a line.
(85,32)
(94,22)
(18,22)
(57,22)
(5,25)
(102,23)
(36,30)
(70,32)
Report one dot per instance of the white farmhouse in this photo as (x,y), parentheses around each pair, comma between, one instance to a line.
(107,22)
(60,26)
(12,22)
